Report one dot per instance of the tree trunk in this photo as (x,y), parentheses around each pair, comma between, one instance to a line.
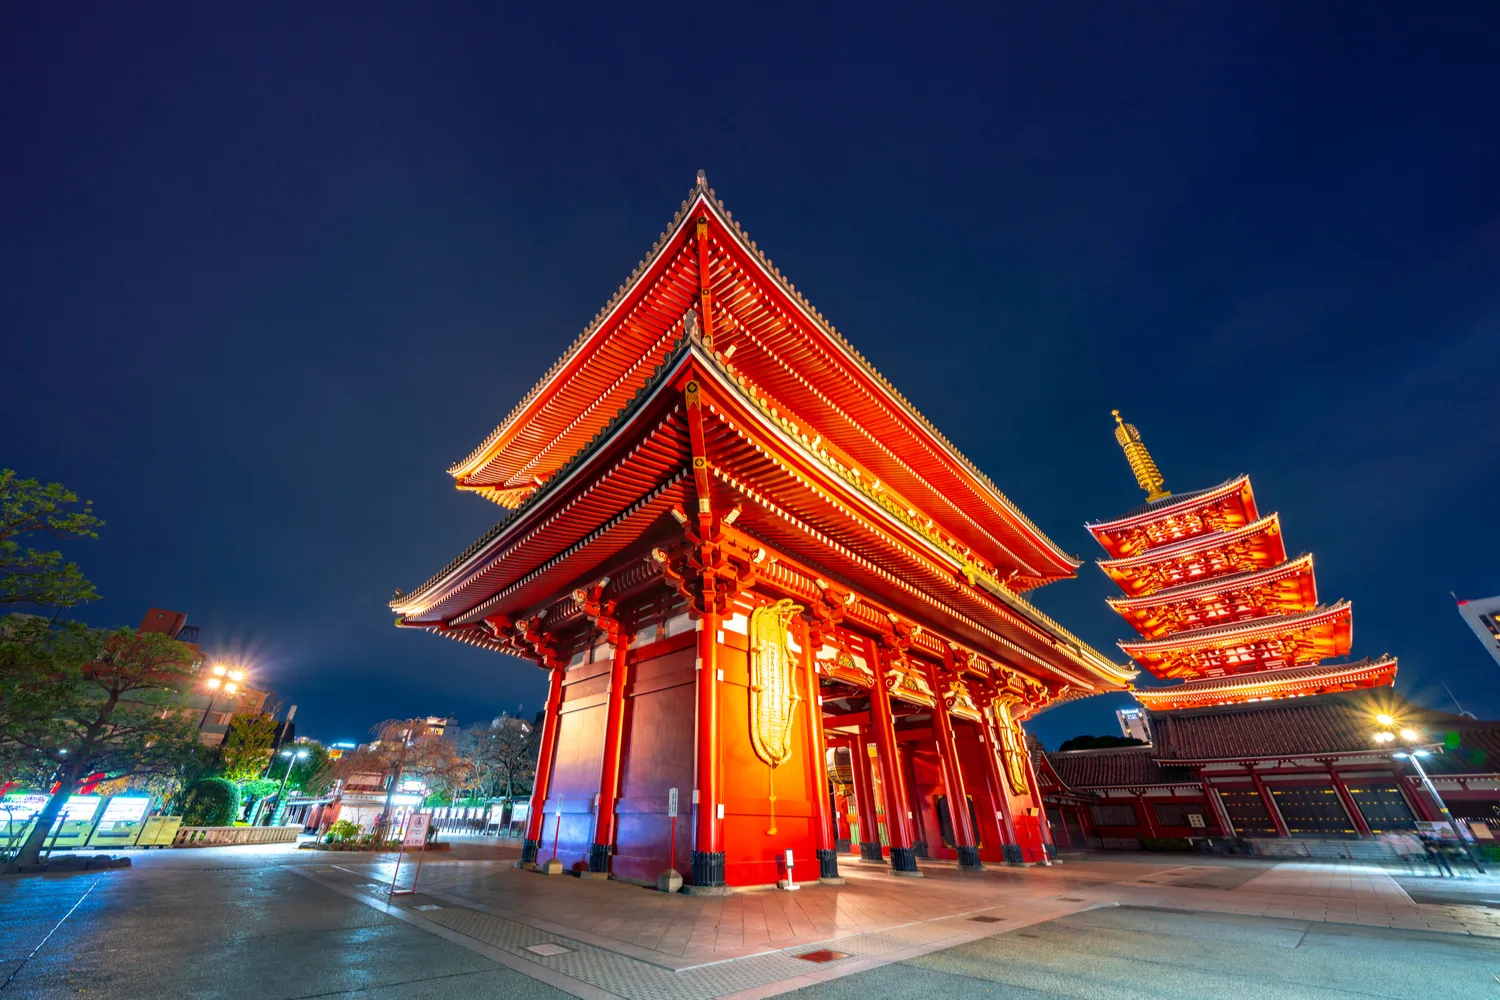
(67,784)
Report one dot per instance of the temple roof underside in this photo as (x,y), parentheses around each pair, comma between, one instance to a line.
(1259,644)
(1286,589)
(1255,546)
(791,493)
(1267,685)
(1172,519)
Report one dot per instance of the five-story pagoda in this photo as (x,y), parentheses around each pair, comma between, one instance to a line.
(1219,606)
(745,559)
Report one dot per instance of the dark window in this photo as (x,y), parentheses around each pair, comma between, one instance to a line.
(1114,815)
(945,822)
(1247,812)
(1313,812)
(1383,807)
(1178,813)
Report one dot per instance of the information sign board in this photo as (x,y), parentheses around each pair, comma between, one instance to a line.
(416,830)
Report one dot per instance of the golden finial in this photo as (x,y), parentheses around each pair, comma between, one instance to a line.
(1146,472)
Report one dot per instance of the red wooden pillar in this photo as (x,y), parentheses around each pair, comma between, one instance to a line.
(1350,806)
(543,779)
(864,796)
(1010,847)
(897,803)
(1147,814)
(614,735)
(1048,848)
(966,844)
(817,757)
(1267,801)
(1216,806)
(708,852)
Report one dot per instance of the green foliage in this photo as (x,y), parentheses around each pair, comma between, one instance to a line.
(1100,743)
(343,831)
(257,788)
(211,802)
(247,746)
(40,578)
(76,701)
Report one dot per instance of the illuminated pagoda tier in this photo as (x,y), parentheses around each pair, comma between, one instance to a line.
(1218,605)
(745,560)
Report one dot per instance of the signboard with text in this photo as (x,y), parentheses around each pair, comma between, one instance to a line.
(416,830)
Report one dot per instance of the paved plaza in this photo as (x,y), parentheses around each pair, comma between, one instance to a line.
(274,922)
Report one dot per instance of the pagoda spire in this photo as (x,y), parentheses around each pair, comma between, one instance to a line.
(1141,463)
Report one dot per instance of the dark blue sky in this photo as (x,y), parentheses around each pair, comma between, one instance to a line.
(267,273)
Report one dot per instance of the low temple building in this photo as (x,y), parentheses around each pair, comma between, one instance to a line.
(748,564)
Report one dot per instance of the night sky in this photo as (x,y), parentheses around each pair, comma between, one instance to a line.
(266,274)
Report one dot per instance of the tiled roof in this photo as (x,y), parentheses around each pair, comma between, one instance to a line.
(1104,768)
(1332,724)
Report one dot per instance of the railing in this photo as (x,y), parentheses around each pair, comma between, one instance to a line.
(223,836)
(1325,850)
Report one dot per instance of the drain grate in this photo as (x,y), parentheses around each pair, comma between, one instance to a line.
(427,906)
(822,955)
(986,920)
(1071,899)
(547,950)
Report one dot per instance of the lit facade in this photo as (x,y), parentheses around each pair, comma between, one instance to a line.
(741,556)
(1483,616)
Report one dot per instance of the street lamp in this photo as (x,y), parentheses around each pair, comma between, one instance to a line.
(292,758)
(223,679)
(1416,749)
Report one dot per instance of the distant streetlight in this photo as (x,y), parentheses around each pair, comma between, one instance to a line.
(1416,749)
(292,759)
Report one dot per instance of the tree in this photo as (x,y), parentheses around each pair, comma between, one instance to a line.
(211,802)
(248,745)
(77,702)
(28,576)
(409,746)
(1100,743)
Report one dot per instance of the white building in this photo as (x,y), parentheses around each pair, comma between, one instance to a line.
(1483,616)
(1134,723)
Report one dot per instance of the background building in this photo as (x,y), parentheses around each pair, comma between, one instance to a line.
(1483,616)
(220,690)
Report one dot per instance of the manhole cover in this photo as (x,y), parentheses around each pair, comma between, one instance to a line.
(822,955)
(548,949)
(986,920)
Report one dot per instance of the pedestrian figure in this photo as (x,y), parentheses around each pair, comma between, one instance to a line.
(1437,854)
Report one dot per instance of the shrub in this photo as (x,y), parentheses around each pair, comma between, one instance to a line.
(343,831)
(211,802)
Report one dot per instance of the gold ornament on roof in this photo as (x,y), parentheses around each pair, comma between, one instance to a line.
(1141,463)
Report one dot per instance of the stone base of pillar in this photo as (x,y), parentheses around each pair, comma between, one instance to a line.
(919,849)
(843,845)
(708,869)
(528,851)
(968,857)
(904,862)
(870,851)
(828,864)
(1012,854)
(599,859)
(1051,850)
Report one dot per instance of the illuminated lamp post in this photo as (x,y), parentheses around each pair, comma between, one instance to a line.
(1416,749)
(223,677)
(292,759)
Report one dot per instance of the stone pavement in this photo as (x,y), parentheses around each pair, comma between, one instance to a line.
(613,939)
